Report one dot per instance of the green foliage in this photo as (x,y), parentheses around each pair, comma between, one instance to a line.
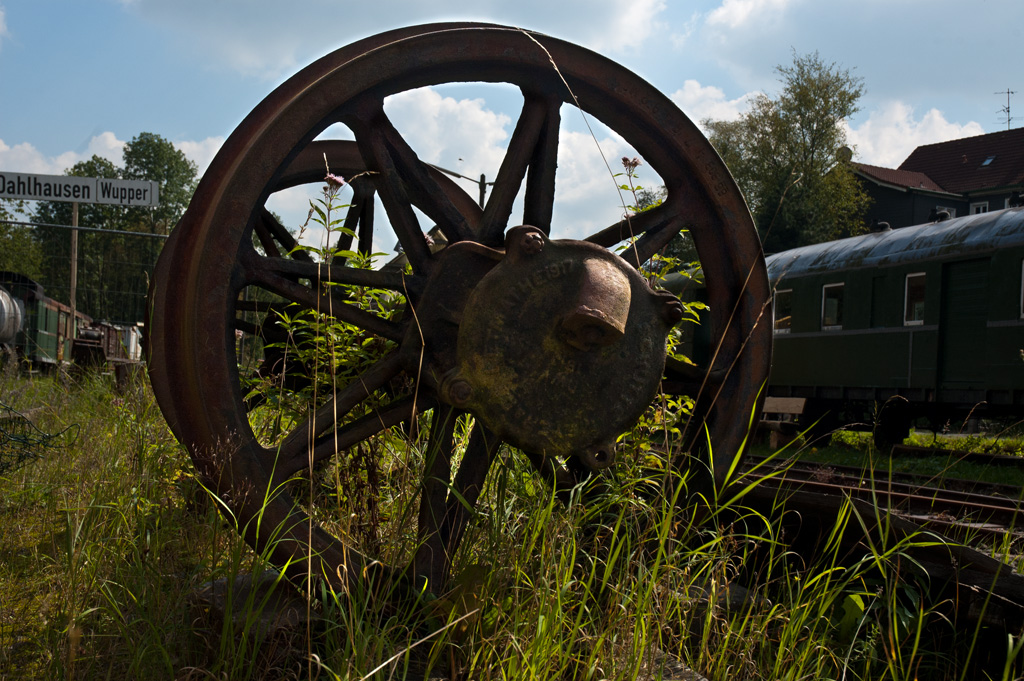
(784,153)
(105,546)
(114,269)
(311,350)
(19,251)
(150,157)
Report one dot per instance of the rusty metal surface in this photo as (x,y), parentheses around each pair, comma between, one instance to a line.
(552,322)
(210,259)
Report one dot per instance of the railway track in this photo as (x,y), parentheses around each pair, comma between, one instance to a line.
(959,508)
(952,528)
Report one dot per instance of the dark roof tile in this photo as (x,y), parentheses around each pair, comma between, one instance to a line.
(960,165)
(900,178)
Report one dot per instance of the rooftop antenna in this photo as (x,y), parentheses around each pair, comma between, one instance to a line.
(1006,109)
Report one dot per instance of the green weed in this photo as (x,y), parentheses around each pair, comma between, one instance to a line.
(104,549)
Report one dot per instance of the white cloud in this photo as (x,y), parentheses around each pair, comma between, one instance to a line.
(699,102)
(587,195)
(681,35)
(3,26)
(628,26)
(270,39)
(891,132)
(735,13)
(105,145)
(201,152)
(460,134)
(25,158)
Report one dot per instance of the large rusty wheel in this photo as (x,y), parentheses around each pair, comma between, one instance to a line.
(458,311)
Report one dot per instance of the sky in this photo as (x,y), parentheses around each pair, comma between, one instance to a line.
(82,77)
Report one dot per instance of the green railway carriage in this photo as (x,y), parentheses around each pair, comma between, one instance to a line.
(897,325)
(46,331)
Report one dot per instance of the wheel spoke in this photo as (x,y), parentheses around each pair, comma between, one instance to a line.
(261,306)
(351,224)
(338,407)
(653,220)
(247,327)
(358,220)
(339,274)
(324,302)
(326,446)
(362,202)
(652,230)
(430,560)
(653,240)
(265,237)
(469,482)
(540,185)
(682,378)
(527,146)
(554,472)
(404,181)
(269,230)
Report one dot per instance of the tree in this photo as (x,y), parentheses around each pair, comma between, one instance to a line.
(19,251)
(150,157)
(786,155)
(114,269)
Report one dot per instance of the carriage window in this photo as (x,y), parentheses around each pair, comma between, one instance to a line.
(832,307)
(913,309)
(783,310)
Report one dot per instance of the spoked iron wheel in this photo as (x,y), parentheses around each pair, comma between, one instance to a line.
(553,346)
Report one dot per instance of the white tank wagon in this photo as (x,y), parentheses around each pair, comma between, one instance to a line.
(11,317)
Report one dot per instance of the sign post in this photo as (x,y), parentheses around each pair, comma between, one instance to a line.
(74,268)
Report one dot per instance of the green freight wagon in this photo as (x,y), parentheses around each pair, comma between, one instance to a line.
(46,331)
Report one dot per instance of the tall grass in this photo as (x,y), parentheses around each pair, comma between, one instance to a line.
(106,544)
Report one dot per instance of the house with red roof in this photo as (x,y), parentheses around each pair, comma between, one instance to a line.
(960,177)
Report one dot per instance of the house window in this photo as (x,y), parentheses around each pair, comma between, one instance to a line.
(832,307)
(980,207)
(783,310)
(951,211)
(913,309)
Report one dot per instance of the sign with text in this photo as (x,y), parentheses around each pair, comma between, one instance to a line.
(79,189)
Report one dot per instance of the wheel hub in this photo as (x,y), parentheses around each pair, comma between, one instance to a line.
(554,321)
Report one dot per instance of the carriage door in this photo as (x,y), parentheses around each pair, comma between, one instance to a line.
(963,324)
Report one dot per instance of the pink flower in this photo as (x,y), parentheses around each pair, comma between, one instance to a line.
(335,181)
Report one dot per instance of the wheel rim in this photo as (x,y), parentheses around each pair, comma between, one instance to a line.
(193,364)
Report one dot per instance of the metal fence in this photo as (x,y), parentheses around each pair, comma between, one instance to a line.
(114,269)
